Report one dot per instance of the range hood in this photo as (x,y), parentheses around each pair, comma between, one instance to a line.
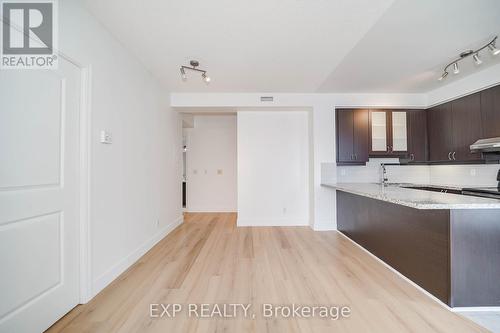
(486,145)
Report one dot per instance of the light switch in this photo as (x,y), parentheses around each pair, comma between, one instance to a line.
(106,137)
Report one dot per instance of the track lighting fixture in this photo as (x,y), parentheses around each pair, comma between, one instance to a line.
(194,64)
(475,56)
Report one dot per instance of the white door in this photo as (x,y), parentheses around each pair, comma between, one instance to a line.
(39,242)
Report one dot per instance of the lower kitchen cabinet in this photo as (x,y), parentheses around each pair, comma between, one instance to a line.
(446,252)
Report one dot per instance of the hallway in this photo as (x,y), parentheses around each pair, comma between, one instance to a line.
(209,260)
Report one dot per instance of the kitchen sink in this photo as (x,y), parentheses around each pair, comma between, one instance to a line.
(433,189)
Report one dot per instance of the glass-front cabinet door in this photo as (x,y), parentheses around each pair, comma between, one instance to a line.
(399,132)
(379,131)
(388,133)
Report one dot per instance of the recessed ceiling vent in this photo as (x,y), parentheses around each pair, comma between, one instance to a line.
(266,98)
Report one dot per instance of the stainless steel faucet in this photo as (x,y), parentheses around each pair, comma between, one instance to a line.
(384,174)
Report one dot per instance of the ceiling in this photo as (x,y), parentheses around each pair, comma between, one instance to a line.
(301,45)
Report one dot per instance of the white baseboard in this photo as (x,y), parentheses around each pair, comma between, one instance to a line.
(477,309)
(210,210)
(111,274)
(325,225)
(283,222)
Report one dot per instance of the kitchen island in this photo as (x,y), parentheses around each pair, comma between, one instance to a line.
(448,244)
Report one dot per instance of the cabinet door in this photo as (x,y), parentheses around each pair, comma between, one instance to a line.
(466,125)
(417,135)
(490,112)
(379,125)
(399,134)
(439,125)
(361,141)
(345,135)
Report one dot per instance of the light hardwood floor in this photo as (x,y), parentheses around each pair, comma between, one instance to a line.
(209,260)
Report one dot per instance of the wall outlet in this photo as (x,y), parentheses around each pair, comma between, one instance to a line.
(473,172)
(219,171)
(284,210)
(195,171)
(343,172)
(157,223)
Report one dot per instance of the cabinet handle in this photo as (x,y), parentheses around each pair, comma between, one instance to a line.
(412,157)
(454,155)
(449,155)
(356,157)
(352,157)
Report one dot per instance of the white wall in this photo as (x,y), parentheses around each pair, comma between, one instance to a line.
(136,181)
(211,147)
(273,168)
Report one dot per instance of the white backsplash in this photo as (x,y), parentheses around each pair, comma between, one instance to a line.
(460,175)
(465,175)
(372,173)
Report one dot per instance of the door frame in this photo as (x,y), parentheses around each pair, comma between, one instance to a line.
(84,176)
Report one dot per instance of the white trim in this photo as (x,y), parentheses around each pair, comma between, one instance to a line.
(326,225)
(210,210)
(85,174)
(111,274)
(397,273)
(278,222)
(477,309)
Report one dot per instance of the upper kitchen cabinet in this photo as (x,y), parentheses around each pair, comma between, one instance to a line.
(452,128)
(467,126)
(490,112)
(417,135)
(440,132)
(352,136)
(388,133)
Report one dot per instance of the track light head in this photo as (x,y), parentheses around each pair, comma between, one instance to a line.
(206,78)
(456,70)
(442,77)
(477,60)
(183,74)
(493,49)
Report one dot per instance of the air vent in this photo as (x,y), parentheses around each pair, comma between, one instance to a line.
(266,98)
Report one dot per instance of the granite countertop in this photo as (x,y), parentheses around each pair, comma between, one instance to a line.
(414,198)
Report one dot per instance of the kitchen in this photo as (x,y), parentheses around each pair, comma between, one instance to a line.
(420,190)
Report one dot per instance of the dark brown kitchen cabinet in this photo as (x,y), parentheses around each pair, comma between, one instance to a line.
(452,128)
(388,133)
(466,127)
(490,112)
(352,136)
(417,135)
(440,132)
